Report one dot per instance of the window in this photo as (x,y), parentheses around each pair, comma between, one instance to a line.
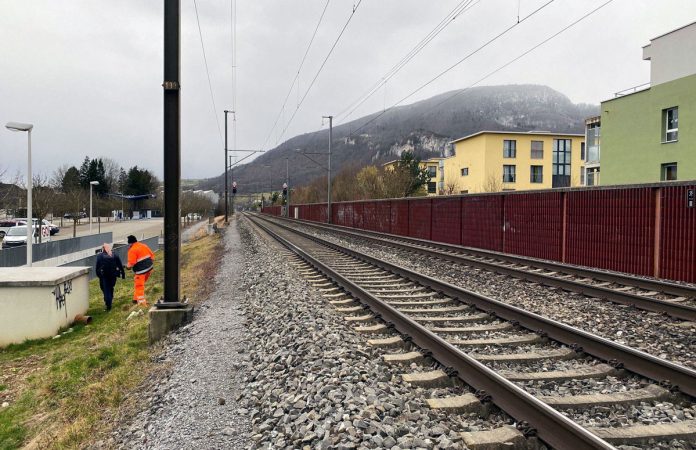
(537,149)
(670,120)
(508,174)
(509,149)
(464,192)
(561,163)
(582,176)
(669,172)
(536,174)
(432,187)
(592,176)
(465,171)
(582,151)
(432,171)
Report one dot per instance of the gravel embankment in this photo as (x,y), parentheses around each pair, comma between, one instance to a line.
(653,333)
(315,383)
(195,405)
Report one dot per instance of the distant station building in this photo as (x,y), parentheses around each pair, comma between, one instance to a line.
(648,133)
(494,161)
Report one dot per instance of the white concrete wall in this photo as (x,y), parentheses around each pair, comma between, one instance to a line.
(33,311)
(672,55)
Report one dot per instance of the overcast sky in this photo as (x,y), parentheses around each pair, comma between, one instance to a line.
(88,73)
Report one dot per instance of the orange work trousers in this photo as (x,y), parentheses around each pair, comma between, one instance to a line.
(139,287)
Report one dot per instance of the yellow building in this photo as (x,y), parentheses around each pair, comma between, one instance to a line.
(434,170)
(493,161)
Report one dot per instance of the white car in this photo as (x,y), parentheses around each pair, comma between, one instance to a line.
(17,236)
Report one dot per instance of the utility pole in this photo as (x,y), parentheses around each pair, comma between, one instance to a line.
(172,151)
(328,190)
(287,188)
(226,189)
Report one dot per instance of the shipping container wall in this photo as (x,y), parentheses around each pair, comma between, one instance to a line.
(447,220)
(612,229)
(383,213)
(482,222)
(358,215)
(534,225)
(420,218)
(678,234)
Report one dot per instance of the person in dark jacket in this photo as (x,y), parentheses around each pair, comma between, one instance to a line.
(109,267)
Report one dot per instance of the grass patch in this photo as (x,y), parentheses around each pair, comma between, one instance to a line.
(63,392)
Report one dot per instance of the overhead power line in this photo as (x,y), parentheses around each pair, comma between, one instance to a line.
(458,10)
(321,67)
(469,55)
(493,72)
(233,23)
(525,53)
(207,71)
(297,74)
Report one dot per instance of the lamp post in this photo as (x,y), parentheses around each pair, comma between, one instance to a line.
(91,183)
(16,126)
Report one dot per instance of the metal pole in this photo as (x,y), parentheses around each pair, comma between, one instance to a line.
(172,149)
(287,183)
(328,193)
(90,208)
(226,197)
(30,220)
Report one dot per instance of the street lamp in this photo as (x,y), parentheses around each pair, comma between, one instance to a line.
(91,183)
(16,126)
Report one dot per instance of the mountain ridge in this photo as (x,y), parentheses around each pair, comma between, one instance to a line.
(425,127)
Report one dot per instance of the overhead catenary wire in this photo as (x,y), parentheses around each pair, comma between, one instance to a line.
(493,72)
(458,10)
(321,67)
(233,23)
(207,71)
(522,55)
(295,80)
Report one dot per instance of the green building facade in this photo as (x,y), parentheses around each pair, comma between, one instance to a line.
(650,135)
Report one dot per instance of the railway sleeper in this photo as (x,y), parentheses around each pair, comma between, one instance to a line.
(502,341)
(423,303)
(466,403)
(472,330)
(555,354)
(430,379)
(647,434)
(403,358)
(578,373)
(365,318)
(503,438)
(390,342)
(480,317)
(649,393)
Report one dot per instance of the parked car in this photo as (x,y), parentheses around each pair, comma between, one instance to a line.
(80,215)
(54,229)
(17,236)
(5,225)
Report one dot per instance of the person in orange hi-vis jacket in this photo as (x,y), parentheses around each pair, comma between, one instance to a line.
(141,260)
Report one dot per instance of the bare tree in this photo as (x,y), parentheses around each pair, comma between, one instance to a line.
(451,183)
(43,199)
(112,170)
(492,183)
(73,204)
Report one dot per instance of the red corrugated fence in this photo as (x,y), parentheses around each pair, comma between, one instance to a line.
(643,229)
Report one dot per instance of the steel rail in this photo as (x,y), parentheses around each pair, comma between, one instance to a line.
(676,310)
(664,286)
(550,425)
(678,377)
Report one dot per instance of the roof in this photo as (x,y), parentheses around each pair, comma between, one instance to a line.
(670,32)
(534,133)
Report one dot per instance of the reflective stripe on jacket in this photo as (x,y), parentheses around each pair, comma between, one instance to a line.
(140,258)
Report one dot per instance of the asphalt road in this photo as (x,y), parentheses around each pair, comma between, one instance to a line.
(139,228)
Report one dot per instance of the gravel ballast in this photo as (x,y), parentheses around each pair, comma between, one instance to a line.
(315,383)
(653,333)
(195,405)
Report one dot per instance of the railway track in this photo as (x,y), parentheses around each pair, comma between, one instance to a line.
(496,348)
(675,300)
